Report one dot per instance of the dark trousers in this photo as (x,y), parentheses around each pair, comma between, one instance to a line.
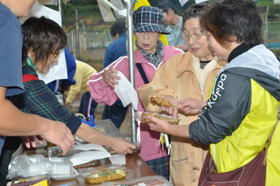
(87,105)
(115,113)
(10,146)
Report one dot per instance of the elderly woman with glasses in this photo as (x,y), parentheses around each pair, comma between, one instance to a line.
(185,75)
(149,56)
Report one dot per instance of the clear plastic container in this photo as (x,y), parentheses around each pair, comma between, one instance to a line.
(43,180)
(65,176)
(95,175)
(61,166)
(62,169)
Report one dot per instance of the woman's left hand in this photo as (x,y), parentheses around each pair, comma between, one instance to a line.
(110,77)
(173,110)
(158,125)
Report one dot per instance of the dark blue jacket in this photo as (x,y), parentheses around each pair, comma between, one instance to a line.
(115,50)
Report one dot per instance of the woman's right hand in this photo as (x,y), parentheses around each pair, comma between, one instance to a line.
(110,77)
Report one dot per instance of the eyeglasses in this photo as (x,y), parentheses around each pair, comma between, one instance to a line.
(194,35)
(56,53)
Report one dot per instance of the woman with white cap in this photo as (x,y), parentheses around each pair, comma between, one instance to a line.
(148,58)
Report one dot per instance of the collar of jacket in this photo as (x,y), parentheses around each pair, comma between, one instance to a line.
(186,63)
(30,63)
(239,50)
(140,59)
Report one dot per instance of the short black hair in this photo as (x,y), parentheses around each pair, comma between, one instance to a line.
(43,36)
(118,28)
(166,5)
(194,11)
(239,18)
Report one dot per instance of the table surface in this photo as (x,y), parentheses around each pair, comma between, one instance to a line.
(136,167)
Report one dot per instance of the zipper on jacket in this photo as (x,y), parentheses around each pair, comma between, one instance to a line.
(202,96)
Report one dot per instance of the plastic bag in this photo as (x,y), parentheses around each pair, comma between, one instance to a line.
(28,166)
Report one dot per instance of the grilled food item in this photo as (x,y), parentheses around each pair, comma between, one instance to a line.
(161,102)
(106,174)
(169,119)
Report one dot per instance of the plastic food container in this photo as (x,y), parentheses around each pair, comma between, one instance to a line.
(95,175)
(62,169)
(145,181)
(42,179)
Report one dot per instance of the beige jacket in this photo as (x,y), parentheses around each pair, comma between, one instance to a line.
(182,77)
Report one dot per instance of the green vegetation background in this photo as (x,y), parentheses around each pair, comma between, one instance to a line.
(90,17)
(89,13)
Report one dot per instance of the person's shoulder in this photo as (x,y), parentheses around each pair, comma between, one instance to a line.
(185,57)
(110,45)
(121,62)
(172,50)
(9,23)
(30,77)
(6,15)
(170,54)
(121,40)
(121,59)
(4,11)
(113,44)
(118,41)
(26,69)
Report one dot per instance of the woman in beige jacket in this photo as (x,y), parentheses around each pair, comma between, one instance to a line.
(185,75)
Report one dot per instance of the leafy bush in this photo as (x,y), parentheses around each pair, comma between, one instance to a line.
(276,52)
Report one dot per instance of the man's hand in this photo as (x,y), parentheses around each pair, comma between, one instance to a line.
(191,105)
(59,134)
(110,77)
